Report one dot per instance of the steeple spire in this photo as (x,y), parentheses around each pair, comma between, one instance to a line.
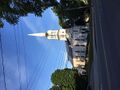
(52,34)
(38,34)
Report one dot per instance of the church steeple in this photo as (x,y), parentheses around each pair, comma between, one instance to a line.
(38,34)
(52,34)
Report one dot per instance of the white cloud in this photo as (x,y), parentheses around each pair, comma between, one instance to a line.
(53,16)
(14,73)
(33,23)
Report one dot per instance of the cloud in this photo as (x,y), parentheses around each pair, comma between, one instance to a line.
(14,73)
(52,15)
(33,23)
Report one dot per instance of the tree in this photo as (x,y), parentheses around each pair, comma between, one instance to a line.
(12,10)
(65,23)
(68,79)
(55,87)
(69,11)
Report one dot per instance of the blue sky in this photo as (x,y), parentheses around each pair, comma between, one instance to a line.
(28,62)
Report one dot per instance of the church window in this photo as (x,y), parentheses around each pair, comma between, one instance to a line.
(77,51)
(75,30)
(83,29)
(82,56)
(82,51)
(53,33)
(77,39)
(77,45)
(82,39)
(82,45)
(52,36)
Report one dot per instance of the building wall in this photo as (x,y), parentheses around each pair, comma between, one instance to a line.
(78,63)
(62,34)
(78,42)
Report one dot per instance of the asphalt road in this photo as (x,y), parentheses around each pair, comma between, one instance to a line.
(106,32)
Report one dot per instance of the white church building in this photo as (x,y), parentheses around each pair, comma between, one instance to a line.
(76,41)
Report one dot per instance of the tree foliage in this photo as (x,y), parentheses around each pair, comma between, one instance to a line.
(68,12)
(55,87)
(12,10)
(68,79)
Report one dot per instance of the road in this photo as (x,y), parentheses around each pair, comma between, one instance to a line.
(105,73)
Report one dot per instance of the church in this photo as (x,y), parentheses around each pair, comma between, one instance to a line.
(76,43)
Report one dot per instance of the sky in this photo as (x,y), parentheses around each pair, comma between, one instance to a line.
(26,63)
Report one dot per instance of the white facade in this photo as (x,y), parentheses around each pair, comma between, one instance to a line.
(78,44)
(79,39)
(76,38)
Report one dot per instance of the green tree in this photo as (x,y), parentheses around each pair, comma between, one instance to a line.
(68,79)
(12,10)
(55,87)
(70,11)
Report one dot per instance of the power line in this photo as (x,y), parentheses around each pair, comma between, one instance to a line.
(43,68)
(60,65)
(25,54)
(2,60)
(39,70)
(18,56)
(57,63)
(62,60)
